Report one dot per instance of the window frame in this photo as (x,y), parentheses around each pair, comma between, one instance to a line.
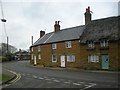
(91,44)
(68,44)
(93,58)
(54,58)
(54,46)
(104,43)
(39,56)
(72,58)
(39,48)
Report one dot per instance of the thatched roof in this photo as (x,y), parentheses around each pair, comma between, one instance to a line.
(106,28)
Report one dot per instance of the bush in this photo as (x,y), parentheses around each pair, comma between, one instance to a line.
(4,59)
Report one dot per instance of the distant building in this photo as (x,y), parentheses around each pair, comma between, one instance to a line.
(22,55)
(94,45)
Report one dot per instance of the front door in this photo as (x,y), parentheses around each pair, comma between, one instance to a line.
(35,60)
(105,61)
(62,58)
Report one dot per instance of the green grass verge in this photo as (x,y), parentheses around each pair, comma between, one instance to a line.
(4,77)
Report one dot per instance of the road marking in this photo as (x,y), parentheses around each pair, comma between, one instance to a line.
(34,76)
(47,79)
(18,76)
(76,84)
(56,80)
(89,86)
(67,82)
(41,78)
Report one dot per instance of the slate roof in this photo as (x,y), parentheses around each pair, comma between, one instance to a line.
(73,33)
(106,28)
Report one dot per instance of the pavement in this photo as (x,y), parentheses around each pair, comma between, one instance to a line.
(74,69)
(13,76)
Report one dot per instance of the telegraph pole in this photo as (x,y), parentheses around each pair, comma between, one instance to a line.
(7,45)
(32,40)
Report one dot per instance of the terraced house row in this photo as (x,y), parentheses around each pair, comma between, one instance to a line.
(95,45)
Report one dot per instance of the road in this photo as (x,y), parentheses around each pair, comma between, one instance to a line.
(34,77)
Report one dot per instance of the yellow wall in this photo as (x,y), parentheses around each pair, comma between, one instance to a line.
(81,53)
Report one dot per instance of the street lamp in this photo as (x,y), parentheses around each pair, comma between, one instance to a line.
(3,20)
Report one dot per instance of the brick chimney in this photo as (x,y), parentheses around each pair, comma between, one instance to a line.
(87,15)
(42,33)
(56,26)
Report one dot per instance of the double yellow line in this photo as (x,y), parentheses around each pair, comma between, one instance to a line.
(18,76)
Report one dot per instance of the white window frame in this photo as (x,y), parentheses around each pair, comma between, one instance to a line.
(70,58)
(68,44)
(91,44)
(54,46)
(104,43)
(39,56)
(93,58)
(39,49)
(54,58)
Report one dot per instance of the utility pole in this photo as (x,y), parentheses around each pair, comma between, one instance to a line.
(7,45)
(32,40)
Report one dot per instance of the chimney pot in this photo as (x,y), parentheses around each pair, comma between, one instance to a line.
(87,15)
(56,26)
(42,33)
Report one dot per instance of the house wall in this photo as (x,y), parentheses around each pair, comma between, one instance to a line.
(81,53)
(112,52)
(47,51)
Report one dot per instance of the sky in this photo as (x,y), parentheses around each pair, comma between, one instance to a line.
(26,18)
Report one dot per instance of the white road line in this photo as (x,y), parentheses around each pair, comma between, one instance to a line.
(34,76)
(76,84)
(67,82)
(82,82)
(89,86)
(56,80)
(47,79)
(41,78)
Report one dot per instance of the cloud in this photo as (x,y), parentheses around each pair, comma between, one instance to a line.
(26,19)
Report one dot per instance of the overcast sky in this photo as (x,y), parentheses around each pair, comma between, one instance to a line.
(26,19)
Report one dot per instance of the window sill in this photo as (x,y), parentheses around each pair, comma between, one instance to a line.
(54,61)
(104,48)
(89,49)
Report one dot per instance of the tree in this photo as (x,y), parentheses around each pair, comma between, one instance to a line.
(7,53)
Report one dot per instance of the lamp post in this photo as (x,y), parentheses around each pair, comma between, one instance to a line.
(3,20)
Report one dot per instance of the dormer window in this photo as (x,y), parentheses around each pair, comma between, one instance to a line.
(104,43)
(54,46)
(38,48)
(68,44)
(91,44)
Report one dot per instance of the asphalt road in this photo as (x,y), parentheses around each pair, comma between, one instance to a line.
(34,77)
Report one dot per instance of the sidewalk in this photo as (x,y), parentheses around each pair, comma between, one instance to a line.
(13,76)
(74,69)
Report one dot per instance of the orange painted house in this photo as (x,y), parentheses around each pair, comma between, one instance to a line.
(94,45)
